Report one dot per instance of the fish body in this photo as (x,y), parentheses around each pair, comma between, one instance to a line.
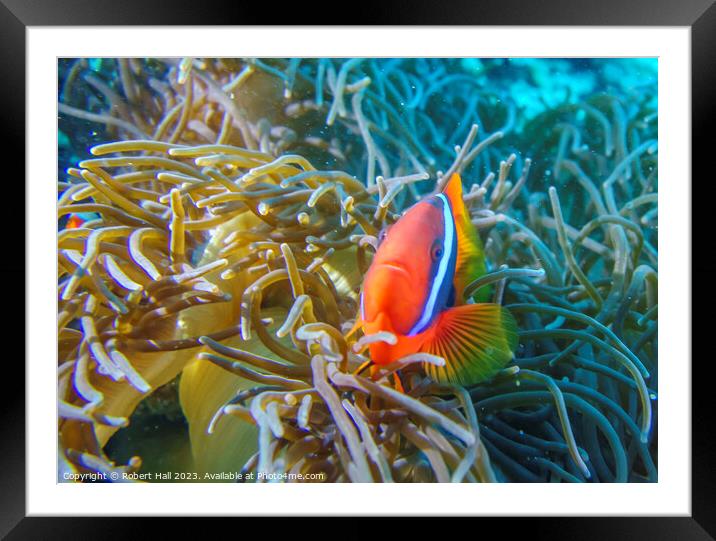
(415,286)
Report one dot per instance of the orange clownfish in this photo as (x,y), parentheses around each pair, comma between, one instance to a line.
(74,222)
(78,220)
(414,290)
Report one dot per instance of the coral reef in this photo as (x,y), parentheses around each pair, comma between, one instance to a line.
(236,211)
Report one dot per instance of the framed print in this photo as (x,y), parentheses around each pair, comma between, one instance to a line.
(361,270)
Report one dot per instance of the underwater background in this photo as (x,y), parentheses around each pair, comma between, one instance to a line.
(215,221)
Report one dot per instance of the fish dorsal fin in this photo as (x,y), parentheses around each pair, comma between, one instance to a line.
(476,341)
(470,262)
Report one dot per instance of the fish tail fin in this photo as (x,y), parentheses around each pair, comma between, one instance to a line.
(470,263)
(476,341)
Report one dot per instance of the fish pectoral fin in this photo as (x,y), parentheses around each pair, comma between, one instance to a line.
(476,341)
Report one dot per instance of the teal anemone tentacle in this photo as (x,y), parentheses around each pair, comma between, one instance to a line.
(529,397)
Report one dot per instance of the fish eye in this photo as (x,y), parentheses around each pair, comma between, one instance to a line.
(436,251)
(383,233)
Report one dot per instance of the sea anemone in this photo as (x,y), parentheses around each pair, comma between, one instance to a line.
(234,228)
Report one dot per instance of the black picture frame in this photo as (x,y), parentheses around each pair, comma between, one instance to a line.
(699,15)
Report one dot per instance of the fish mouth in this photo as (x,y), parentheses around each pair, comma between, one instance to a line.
(398,268)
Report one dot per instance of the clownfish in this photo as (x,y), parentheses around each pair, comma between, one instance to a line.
(414,289)
(78,220)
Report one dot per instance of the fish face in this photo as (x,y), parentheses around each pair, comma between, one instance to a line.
(410,278)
